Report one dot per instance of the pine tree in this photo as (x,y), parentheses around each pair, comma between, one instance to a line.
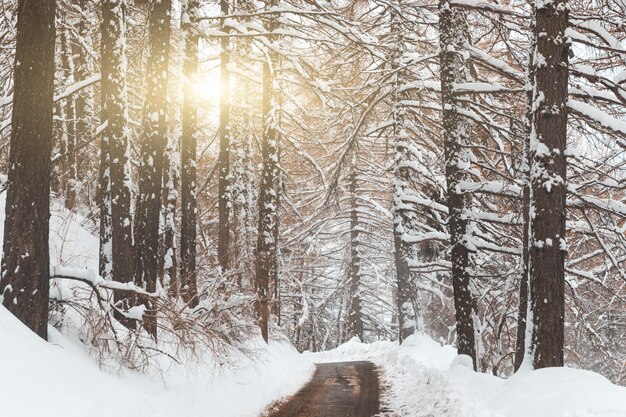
(548,187)
(453,37)
(26,259)
(354,315)
(267,239)
(154,139)
(225,204)
(189,211)
(116,184)
(403,208)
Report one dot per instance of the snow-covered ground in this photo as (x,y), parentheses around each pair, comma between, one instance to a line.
(421,378)
(58,379)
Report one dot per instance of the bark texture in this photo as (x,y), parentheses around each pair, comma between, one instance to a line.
(154,139)
(26,259)
(267,239)
(548,185)
(189,211)
(453,37)
(225,205)
(355,315)
(403,209)
(115,144)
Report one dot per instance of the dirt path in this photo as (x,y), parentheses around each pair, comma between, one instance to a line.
(341,389)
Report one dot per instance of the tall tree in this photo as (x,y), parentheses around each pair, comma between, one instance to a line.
(189,210)
(548,141)
(69,114)
(403,208)
(267,239)
(523,286)
(115,145)
(354,315)
(84,98)
(154,139)
(26,259)
(453,32)
(225,205)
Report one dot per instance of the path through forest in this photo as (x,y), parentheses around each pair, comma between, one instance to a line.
(339,389)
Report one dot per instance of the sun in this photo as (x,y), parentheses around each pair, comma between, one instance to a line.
(207,85)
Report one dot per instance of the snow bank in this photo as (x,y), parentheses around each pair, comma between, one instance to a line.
(421,378)
(59,379)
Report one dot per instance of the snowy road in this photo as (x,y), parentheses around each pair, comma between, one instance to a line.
(339,389)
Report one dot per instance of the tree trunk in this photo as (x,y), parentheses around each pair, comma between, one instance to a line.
(548,186)
(115,147)
(69,142)
(189,211)
(453,36)
(520,344)
(355,316)
(266,250)
(225,205)
(403,209)
(84,98)
(170,197)
(26,259)
(153,142)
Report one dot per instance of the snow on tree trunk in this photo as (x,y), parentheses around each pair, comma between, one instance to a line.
(267,239)
(453,37)
(84,98)
(189,211)
(153,142)
(116,210)
(403,210)
(26,259)
(171,179)
(548,137)
(523,287)
(225,205)
(355,315)
(69,142)
(242,194)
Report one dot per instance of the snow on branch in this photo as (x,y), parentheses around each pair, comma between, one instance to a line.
(483,5)
(596,115)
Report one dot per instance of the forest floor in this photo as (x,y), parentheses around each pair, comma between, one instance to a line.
(339,389)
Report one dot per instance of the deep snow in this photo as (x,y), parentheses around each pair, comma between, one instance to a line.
(421,378)
(59,379)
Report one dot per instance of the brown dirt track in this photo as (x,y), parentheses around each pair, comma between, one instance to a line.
(340,389)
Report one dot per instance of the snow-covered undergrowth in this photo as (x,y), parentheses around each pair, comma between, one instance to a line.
(59,379)
(421,378)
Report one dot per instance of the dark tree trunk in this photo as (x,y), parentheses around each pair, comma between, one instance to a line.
(188,161)
(115,147)
(355,316)
(548,186)
(403,208)
(84,98)
(520,344)
(225,205)
(267,242)
(242,164)
(69,113)
(153,142)
(26,260)
(170,196)
(453,35)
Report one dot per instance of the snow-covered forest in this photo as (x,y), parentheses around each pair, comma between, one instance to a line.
(202,199)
